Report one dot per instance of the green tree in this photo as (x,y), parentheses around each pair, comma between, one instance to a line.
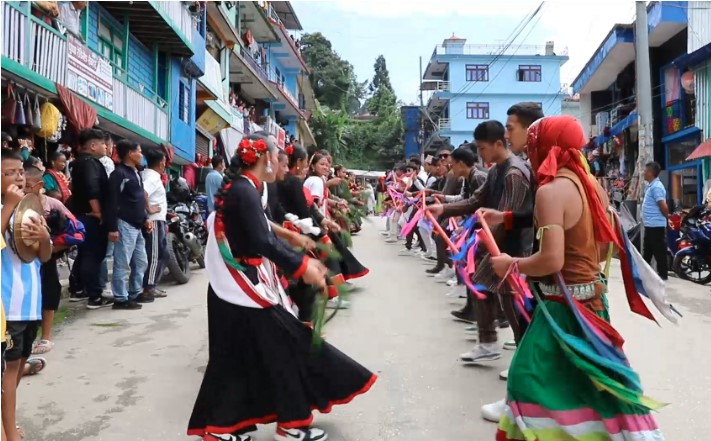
(332,78)
(383,100)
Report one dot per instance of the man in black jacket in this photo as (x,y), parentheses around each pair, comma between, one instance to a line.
(89,186)
(125,219)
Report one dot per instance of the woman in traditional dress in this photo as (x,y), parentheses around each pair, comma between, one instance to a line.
(293,201)
(319,169)
(56,184)
(263,367)
(569,379)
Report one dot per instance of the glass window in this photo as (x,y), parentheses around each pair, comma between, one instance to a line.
(477,72)
(680,150)
(684,187)
(529,73)
(111,45)
(477,110)
(184,102)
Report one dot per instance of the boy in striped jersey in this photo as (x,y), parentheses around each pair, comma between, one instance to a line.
(21,290)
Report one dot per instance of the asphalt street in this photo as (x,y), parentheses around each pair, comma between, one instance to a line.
(134,375)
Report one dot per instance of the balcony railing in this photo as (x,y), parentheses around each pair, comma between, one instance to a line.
(32,43)
(494,49)
(437,86)
(35,45)
(179,15)
(252,62)
(443,124)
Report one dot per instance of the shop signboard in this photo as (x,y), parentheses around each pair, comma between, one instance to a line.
(89,74)
(281,138)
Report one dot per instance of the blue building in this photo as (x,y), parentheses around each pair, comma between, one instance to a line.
(472,83)
(122,58)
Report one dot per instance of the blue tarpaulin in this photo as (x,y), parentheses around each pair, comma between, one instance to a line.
(618,128)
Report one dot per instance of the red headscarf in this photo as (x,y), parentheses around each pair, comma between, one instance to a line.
(556,142)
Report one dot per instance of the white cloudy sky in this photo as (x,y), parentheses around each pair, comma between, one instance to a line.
(360,30)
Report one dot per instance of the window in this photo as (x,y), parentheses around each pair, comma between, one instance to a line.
(477,110)
(477,72)
(111,45)
(184,101)
(529,73)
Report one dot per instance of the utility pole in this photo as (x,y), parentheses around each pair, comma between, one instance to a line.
(420,135)
(644,97)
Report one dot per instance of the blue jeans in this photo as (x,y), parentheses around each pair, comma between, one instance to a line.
(104,278)
(130,263)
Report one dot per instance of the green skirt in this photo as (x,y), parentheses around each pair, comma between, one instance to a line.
(551,398)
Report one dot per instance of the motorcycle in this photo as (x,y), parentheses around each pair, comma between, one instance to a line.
(187,237)
(692,261)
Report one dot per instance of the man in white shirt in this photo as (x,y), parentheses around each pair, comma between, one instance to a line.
(213,181)
(157,208)
(108,163)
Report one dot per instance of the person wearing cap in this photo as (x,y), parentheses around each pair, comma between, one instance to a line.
(20,280)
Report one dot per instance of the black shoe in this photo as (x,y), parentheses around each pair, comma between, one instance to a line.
(435,269)
(101,302)
(128,305)
(78,296)
(503,324)
(145,297)
(462,317)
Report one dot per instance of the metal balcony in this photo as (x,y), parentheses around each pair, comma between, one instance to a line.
(444,124)
(437,86)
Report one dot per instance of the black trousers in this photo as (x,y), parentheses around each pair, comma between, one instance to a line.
(157,254)
(655,245)
(415,232)
(86,272)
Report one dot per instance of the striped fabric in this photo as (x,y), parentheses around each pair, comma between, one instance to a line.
(524,421)
(21,287)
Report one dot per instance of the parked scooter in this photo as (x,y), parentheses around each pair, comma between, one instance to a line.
(692,261)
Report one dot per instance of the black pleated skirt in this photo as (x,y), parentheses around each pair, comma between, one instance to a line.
(263,369)
(351,268)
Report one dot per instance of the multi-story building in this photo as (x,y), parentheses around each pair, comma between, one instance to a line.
(472,83)
(196,76)
(129,60)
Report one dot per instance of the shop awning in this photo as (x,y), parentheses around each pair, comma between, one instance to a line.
(702,151)
(629,121)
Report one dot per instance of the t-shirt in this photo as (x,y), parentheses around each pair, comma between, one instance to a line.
(651,213)
(153,186)
(50,184)
(108,164)
(70,17)
(21,286)
(213,183)
(315,185)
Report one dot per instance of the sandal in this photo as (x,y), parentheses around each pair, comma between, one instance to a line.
(37,364)
(42,347)
(20,432)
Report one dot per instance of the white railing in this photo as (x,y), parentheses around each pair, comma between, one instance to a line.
(179,15)
(49,53)
(494,49)
(437,86)
(444,123)
(282,87)
(138,109)
(14,45)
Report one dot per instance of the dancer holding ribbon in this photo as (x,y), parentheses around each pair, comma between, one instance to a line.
(262,367)
(569,378)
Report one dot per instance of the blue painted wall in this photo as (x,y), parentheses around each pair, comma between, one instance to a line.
(501,91)
(411,123)
(182,135)
(139,58)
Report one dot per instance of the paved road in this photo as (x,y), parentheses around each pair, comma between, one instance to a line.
(120,375)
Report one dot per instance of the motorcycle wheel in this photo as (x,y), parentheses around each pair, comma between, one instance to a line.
(685,268)
(178,261)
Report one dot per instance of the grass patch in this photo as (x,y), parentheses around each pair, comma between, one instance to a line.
(63,313)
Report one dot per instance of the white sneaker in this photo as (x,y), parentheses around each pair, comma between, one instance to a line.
(335,304)
(504,375)
(510,345)
(492,412)
(229,437)
(391,239)
(404,252)
(453,281)
(385,233)
(444,275)
(310,434)
(481,352)
(458,292)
